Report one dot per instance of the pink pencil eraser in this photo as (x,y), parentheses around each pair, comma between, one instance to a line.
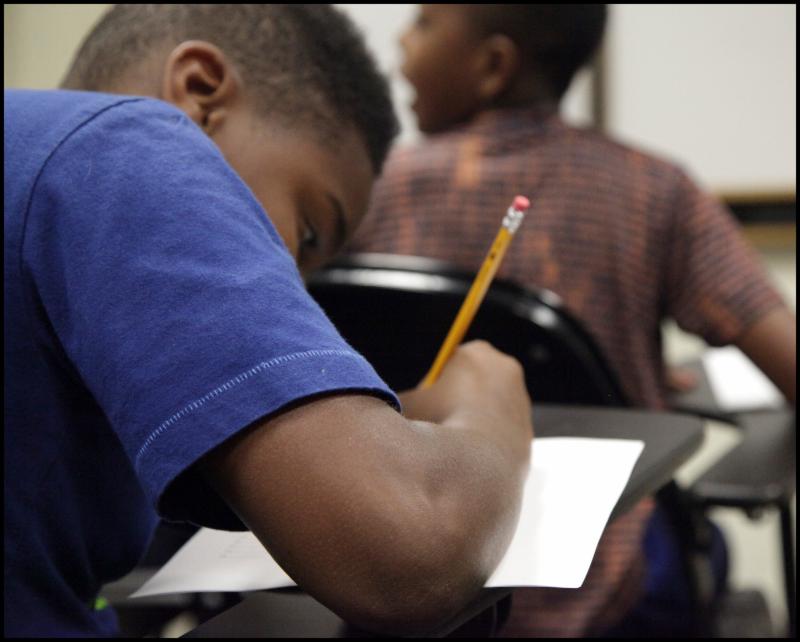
(521,203)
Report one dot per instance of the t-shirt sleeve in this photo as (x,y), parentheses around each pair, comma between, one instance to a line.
(175,301)
(716,284)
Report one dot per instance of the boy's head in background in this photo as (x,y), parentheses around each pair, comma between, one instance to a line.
(464,58)
(288,93)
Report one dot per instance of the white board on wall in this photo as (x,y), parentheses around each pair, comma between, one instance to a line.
(711,86)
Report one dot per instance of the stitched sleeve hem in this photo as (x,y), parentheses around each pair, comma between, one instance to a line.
(203,424)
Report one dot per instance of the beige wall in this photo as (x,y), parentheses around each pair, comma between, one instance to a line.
(39,41)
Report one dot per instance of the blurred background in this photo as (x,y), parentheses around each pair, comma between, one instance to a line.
(712,87)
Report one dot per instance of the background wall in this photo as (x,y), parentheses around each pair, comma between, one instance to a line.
(39,41)
(711,86)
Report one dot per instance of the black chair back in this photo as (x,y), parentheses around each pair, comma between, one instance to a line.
(397,310)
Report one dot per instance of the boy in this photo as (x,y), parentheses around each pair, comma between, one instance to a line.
(163,357)
(623,238)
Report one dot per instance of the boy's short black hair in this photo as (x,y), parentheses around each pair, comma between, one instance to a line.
(556,39)
(306,64)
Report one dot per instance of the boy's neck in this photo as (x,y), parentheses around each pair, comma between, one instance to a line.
(493,114)
(527,94)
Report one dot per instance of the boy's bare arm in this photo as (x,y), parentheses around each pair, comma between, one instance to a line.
(771,343)
(394,523)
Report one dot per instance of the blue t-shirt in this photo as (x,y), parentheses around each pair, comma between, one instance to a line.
(151,312)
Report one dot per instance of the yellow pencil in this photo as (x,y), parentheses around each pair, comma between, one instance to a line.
(483,280)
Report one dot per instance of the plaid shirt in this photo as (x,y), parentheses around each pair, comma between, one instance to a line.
(625,239)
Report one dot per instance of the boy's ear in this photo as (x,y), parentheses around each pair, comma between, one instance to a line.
(199,79)
(501,64)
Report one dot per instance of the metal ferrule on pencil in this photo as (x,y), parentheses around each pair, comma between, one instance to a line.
(512,219)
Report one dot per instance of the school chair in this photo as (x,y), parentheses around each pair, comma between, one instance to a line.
(396,310)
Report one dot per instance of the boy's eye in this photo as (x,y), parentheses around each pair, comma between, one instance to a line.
(309,239)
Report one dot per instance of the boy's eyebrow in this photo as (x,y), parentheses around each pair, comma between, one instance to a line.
(340,223)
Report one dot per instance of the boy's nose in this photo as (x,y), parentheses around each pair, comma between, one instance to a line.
(406,49)
(402,40)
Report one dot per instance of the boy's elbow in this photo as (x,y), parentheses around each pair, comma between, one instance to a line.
(430,566)
(419,596)
(419,610)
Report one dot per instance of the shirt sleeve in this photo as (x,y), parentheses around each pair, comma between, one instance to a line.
(173,297)
(716,284)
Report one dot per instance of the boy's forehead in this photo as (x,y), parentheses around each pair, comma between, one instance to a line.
(465,18)
(340,161)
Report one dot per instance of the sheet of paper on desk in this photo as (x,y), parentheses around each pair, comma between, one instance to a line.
(736,383)
(572,487)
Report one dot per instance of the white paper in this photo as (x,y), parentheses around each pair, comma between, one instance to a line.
(736,383)
(572,487)
(215,560)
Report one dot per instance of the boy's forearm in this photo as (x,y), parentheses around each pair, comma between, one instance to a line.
(771,343)
(393,524)
(486,491)
(456,533)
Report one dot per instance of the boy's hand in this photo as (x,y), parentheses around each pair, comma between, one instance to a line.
(680,379)
(477,381)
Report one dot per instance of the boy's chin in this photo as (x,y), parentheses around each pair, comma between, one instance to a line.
(435,122)
(429,124)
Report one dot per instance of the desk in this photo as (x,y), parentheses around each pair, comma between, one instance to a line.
(760,470)
(758,473)
(670,439)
